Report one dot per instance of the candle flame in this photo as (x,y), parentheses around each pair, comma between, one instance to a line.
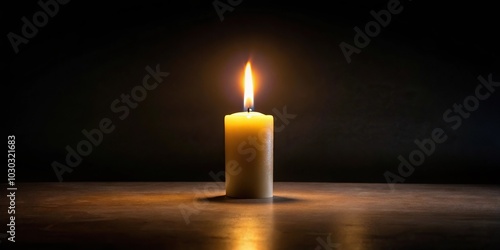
(248,98)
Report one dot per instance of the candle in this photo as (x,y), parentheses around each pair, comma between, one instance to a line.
(249,149)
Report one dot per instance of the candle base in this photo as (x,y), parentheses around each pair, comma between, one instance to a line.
(256,199)
(249,197)
(249,192)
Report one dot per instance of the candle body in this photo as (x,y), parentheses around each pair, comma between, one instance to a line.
(249,139)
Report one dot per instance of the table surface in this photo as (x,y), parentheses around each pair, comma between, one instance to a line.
(196,215)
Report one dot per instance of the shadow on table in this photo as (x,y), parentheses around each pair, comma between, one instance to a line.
(225,199)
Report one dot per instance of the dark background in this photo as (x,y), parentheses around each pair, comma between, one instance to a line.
(353,120)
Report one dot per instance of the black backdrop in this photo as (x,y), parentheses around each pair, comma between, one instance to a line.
(352,120)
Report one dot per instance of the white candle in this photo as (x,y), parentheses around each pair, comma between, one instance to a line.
(249,149)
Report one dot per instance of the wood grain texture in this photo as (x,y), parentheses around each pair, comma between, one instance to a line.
(300,216)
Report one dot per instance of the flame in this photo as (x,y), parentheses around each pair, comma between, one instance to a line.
(248,97)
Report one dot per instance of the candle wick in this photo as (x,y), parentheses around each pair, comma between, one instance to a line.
(249,109)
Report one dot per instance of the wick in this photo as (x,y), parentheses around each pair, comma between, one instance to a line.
(249,109)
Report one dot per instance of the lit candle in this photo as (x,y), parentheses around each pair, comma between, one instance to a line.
(249,149)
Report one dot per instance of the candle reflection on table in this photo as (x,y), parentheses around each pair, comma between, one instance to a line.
(250,229)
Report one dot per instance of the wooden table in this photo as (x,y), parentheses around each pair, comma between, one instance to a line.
(196,215)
